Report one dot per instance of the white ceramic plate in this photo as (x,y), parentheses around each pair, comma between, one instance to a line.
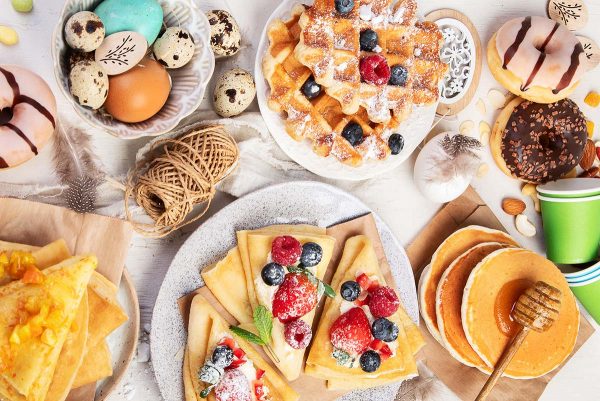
(297,202)
(414,129)
(188,83)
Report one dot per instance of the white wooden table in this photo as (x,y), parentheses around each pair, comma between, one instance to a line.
(401,206)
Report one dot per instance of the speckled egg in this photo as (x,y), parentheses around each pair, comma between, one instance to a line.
(234,92)
(84,31)
(175,48)
(88,84)
(225,36)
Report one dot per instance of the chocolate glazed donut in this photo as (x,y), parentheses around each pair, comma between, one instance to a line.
(543,142)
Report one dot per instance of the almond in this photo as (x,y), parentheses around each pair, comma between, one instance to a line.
(589,155)
(591,173)
(513,206)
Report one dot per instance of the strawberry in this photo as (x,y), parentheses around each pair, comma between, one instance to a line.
(363,281)
(384,302)
(351,332)
(294,298)
(382,348)
(233,386)
(373,285)
(259,373)
(362,301)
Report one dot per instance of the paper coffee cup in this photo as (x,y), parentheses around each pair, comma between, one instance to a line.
(588,293)
(571,228)
(570,188)
(581,274)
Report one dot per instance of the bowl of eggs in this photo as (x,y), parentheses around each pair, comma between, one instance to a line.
(133,68)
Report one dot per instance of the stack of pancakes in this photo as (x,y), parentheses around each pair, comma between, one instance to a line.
(466,295)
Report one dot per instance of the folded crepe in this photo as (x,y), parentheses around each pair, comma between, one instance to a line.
(96,365)
(359,257)
(35,323)
(205,330)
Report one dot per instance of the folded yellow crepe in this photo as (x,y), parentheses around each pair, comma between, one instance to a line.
(359,257)
(35,321)
(205,330)
(96,365)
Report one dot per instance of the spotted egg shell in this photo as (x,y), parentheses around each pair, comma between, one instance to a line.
(88,83)
(121,51)
(225,36)
(175,48)
(84,31)
(234,92)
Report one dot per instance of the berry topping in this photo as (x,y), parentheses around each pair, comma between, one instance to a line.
(351,332)
(297,334)
(384,302)
(311,89)
(350,291)
(233,387)
(370,361)
(399,75)
(382,348)
(286,250)
(396,143)
(353,133)
(273,274)
(222,356)
(384,330)
(311,254)
(344,6)
(296,297)
(364,281)
(368,40)
(375,70)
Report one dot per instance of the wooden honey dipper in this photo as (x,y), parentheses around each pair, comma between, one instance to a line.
(536,309)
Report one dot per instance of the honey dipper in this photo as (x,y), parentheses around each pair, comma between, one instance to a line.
(536,309)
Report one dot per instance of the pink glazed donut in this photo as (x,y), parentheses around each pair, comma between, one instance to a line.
(27,115)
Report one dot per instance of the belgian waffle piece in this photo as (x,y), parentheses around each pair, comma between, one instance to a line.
(330,46)
(320,119)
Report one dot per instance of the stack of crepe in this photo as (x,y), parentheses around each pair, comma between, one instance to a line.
(53,331)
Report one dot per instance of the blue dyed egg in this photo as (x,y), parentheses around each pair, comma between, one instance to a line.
(142,16)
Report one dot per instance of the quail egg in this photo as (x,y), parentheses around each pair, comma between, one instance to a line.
(234,92)
(88,84)
(175,48)
(84,31)
(225,36)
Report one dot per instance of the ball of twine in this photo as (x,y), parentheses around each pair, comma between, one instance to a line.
(183,174)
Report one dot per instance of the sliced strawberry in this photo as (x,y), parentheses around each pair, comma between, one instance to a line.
(259,390)
(351,332)
(236,363)
(385,352)
(363,301)
(294,298)
(230,342)
(363,281)
(259,374)
(373,286)
(376,344)
(239,353)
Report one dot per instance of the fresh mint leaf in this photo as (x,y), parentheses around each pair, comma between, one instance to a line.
(296,269)
(263,320)
(246,335)
(204,393)
(330,292)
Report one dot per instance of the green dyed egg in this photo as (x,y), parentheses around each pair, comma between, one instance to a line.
(142,16)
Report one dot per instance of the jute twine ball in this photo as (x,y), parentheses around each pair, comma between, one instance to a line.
(183,174)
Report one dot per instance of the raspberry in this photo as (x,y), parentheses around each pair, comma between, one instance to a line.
(298,334)
(375,70)
(296,297)
(351,332)
(286,250)
(384,302)
(233,387)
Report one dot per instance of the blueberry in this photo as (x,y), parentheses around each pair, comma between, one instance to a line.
(384,330)
(350,291)
(311,254)
(370,361)
(399,76)
(353,133)
(222,356)
(273,274)
(368,40)
(396,143)
(344,6)
(311,89)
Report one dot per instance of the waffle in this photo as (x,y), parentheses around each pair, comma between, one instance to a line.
(320,120)
(330,47)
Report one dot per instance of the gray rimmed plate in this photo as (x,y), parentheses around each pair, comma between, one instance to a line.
(294,202)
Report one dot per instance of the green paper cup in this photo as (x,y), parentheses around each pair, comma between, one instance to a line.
(588,293)
(570,188)
(571,228)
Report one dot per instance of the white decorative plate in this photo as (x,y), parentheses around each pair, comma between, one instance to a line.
(414,129)
(295,202)
(189,82)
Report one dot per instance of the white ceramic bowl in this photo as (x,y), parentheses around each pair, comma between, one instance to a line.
(189,82)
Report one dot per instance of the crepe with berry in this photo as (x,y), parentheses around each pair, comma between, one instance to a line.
(221,366)
(36,318)
(362,338)
(284,267)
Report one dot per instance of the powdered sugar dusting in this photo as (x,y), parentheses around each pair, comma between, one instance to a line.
(234,386)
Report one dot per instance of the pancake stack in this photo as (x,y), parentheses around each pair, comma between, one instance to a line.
(466,295)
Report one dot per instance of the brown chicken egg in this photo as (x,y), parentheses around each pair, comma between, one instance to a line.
(140,93)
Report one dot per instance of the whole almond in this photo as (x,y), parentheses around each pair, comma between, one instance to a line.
(591,173)
(589,155)
(513,206)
